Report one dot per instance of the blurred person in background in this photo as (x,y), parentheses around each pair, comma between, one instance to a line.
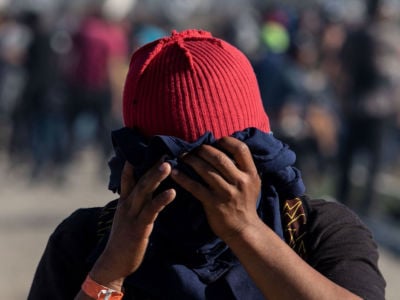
(365,110)
(272,64)
(210,204)
(14,39)
(302,110)
(96,64)
(38,123)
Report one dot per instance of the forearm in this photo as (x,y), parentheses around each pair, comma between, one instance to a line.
(278,271)
(104,273)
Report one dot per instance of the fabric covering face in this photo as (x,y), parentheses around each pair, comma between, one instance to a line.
(182,239)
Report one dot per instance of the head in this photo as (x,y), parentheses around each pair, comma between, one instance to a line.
(189,83)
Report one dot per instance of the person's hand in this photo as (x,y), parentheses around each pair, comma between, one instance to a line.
(133,223)
(233,185)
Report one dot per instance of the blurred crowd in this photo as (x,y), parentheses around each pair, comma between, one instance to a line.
(329,74)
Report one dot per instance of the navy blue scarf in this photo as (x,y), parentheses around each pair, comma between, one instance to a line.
(185,260)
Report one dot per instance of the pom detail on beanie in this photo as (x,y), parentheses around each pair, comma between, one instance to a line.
(189,83)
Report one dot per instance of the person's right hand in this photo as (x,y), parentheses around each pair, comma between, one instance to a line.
(132,225)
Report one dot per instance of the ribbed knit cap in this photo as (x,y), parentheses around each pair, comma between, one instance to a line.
(189,83)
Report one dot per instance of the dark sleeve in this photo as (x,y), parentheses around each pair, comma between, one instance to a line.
(63,265)
(343,249)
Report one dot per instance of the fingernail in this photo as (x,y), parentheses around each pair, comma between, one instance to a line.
(163,167)
(174,172)
(183,154)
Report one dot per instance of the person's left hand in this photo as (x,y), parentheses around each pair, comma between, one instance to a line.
(232,185)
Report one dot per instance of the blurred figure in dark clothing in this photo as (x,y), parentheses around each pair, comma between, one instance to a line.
(100,48)
(295,91)
(13,43)
(363,111)
(37,118)
(272,65)
(275,86)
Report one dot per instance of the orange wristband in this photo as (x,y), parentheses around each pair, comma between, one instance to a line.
(98,291)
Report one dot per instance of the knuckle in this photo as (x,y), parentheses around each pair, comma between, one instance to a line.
(230,194)
(151,207)
(201,151)
(225,139)
(241,148)
(141,185)
(246,181)
(220,159)
(187,158)
(242,181)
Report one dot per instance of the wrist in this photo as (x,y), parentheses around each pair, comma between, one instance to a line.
(95,290)
(245,233)
(105,275)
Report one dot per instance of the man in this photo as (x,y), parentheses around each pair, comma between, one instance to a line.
(210,205)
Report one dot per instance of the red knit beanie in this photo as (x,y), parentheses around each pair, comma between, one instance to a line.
(189,83)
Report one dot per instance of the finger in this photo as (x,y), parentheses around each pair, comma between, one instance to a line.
(147,184)
(151,210)
(240,152)
(211,176)
(127,180)
(221,162)
(198,190)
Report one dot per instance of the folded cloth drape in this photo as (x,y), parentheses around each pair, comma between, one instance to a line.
(183,250)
